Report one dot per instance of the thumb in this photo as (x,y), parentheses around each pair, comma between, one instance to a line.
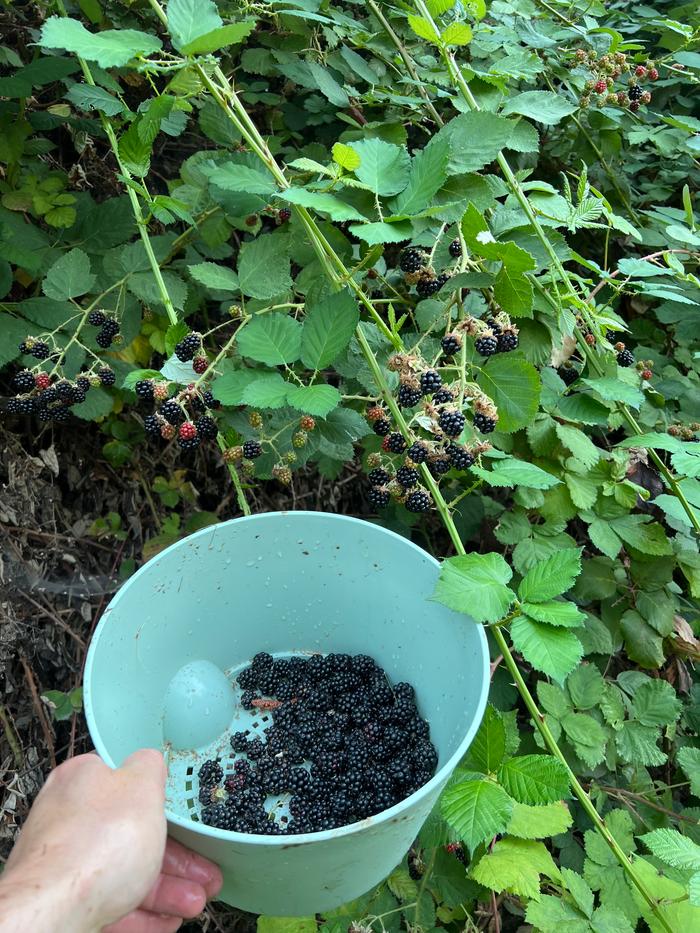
(146,766)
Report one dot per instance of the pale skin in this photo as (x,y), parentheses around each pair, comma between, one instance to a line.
(94,856)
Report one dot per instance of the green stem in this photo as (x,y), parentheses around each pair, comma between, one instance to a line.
(240,494)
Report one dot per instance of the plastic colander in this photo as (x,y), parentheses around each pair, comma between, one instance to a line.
(161,664)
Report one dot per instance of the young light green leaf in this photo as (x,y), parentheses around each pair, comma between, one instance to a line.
(488,748)
(475,584)
(511,472)
(515,865)
(346,157)
(328,329)
(266,924)
(188,19)
(694,889)
(383,167)
(423,28)
(538,822)
(514,386)
(551,577)
(271,338)
(534,779)
(673,848)
(579,890)
(554,651)
(110,48)
(318,400)
(476,810)
(322,202)
(555,612)
(549,914)
(69,276)
(211,275)
(543,106)
(457,34)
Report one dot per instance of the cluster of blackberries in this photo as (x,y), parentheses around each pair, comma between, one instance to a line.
(604,71)
(187,347)
(496,339)
(109,328)
(49,400)
(185,416)
(414,264)
(39,349)
(343,745)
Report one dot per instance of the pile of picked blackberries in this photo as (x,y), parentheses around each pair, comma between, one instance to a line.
(344,744)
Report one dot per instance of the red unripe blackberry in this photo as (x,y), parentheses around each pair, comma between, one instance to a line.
(418,452)
(625,358)
(381,427)
(187,431)
(252,450)
(640,71)
(455,249)
(430,381)
(451,344)
(418,501)
(653,74)
(42,380)
(374,412)
(307,423)
(378,498)
(600,87)
(452,422)
(590,339)
(407,477)
(412,259)
(168,431)
(378,477)
(634,106)
(199,364)
(486,345)
(284,214)
(394,443)
(647,374)
(96,318)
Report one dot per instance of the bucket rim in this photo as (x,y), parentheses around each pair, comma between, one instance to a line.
(440,777)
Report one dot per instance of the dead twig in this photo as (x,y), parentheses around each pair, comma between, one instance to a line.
(39,708)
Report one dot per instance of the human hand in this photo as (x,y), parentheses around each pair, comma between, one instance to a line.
(93,854)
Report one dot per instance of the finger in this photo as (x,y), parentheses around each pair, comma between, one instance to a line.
(178,897)
(142,921)
(184,863)
(147,764)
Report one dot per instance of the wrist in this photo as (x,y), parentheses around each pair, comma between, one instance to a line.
(43,901)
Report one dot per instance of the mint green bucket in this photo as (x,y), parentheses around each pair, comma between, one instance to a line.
(160,667)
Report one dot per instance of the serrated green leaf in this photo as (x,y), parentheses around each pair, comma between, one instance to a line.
(475,139)
(514,386)
(676,910)
(475,584)
(269,390)
(638,532)
(423,28)
(188,19)
(135,152)
(476,810)
(234,176)
(689,760)
(92,97)
(543,106)
(614,390)
(219,38)
(643,644)
(555,612)
(554,651)
(607,919)
(69,276)
(579,890)
(585,686)
(488,748)
(515,865)
(539,822)
(580,445)
(428,174)
(385,168)
(457,34)
(401,885)
(551,577)
(381,232)
(513,292)
(694,889)
(263,268)
(211,275)
(673,848)
(110,48)
(274,339)
(550,914)
(346,157)
(318,400)
(511,472)
(534,779)
(655,703)
(638,744)
(322,202)
(328,329)
(286,924)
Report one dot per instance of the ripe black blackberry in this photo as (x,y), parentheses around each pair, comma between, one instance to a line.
(40,350)
(172,412)
(451,344)
(211,772)
(635,92)
(427,286)
(418,452)
(452,422)
(493,326)
(12,406)
(381,427)
(460,457)
(103,339)
(151,425)
(442,396)
(77,395)
(83,383)
(189,443)
(239,741)
(442,279)
(394,443)
(60,414)
(486,345)
(96,318)
(412,259)
(64,391)
(252,450)
(378,477)
(206,427)
(144,389)
(111,327)
(418,501)
(106,376)
(625,358)
(23,381)
(209,400)
(220,817)
(409,396)
(187,347)
(439,465)
(455,249)
(430,381)
(47,395)
(507,341)
(568,374)
(407,477)
(483,423)
(378,498)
